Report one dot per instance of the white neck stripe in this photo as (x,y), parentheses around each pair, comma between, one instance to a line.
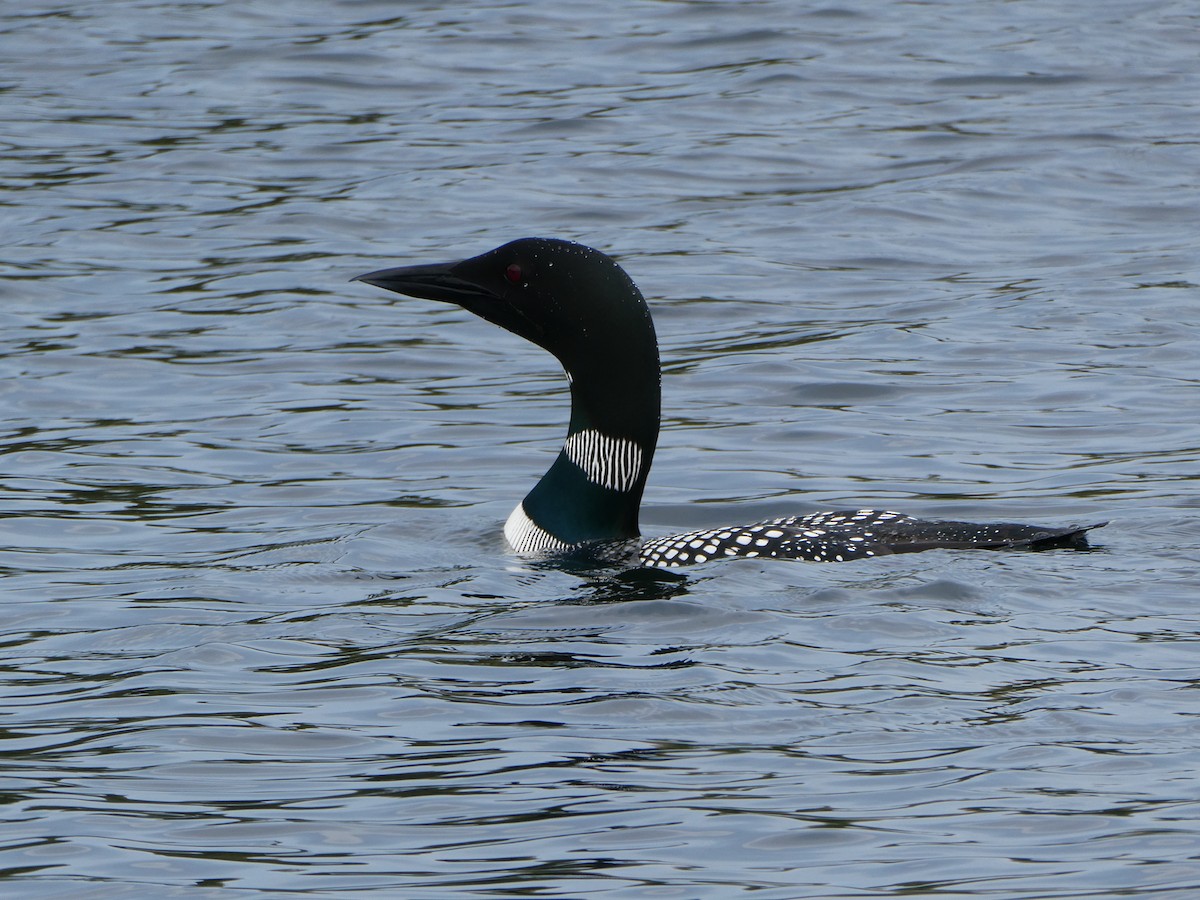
(610,462)
(525,535)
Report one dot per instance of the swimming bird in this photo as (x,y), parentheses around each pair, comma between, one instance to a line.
(581,306)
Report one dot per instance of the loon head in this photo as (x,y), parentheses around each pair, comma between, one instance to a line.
(571,300)
(581,306)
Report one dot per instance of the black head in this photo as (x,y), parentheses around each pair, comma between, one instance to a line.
(582,307)
(570,299)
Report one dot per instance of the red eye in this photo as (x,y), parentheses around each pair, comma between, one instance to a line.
(513,273)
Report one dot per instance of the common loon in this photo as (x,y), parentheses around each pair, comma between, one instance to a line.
(581,306)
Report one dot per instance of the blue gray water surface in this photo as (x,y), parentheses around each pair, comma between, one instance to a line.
(261,635)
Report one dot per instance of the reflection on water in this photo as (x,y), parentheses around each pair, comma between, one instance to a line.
(261,629)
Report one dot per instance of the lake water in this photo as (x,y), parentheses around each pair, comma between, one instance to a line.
(261,635)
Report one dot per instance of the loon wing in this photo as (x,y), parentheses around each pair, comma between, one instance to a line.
(858,534)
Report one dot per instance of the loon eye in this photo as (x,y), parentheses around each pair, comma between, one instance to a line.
(513,273)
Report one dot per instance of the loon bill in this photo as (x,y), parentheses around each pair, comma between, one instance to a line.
(581,306)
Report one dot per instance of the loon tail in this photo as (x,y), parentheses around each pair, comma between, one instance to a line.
(917,536)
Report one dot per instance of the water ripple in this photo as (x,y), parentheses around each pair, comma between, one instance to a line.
(261,631)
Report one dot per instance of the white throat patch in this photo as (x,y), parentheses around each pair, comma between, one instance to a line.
(614,463)
(526,536)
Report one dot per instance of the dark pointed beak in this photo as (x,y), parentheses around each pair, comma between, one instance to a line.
(429,282)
